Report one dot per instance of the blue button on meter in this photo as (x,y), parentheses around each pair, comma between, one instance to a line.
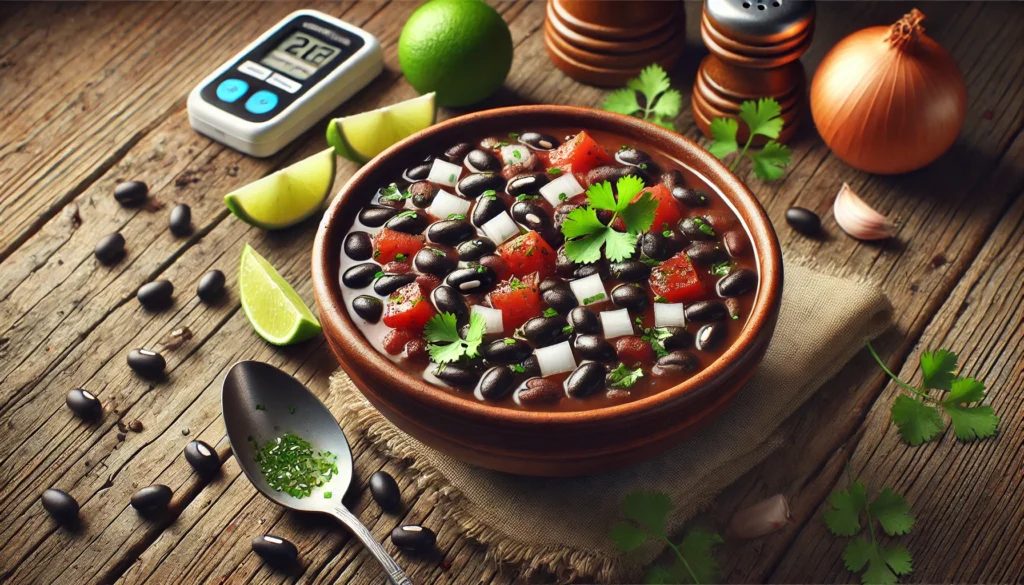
(261,102)
(230,90)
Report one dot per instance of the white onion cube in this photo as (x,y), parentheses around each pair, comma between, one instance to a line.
(561,189)
(616,323)
(444,173)
(500,228)
(669,315)
(446,204)
(589,289)
(555,359)
(492,318)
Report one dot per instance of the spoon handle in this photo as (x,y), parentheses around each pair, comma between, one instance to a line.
(395,573)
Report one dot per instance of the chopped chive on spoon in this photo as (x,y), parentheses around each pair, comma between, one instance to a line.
(261,403)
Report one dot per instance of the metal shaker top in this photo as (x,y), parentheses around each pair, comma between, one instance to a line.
(760,21)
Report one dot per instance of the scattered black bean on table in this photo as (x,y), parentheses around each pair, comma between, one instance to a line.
(385,492)
(202,457)
(110,249)
(61,506)
(412,538)
(181,220)
(156,295)
(152,500)
(803,220)
(147,363)
(211,286)
(84,404)
(131,193)
(276,551)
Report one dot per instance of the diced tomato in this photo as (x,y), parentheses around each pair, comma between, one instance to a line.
(395,340)
(428,282)
(677,281)
(388,243)
(518,300)
(527,254)
(668,212)
(579,155)
(408,307)
(633,350)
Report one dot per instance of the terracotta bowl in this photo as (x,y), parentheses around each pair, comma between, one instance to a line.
(544,443)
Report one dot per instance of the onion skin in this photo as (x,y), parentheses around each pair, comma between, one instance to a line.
(889,100)
(762,518)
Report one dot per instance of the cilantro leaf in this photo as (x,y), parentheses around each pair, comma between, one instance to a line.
(892,512)
(622,101)
(660,103)
(445,344)
(696,549)
(898,559)
(602,196)
(441,328)
(668,104)
(586,250)
(623,377)
(938,369)
(443,354)
(979,422)
(618,245)
(584,232)
(661,575)
(581,221)
(628,188)
(652,81)
(762,117)
(844,517)
(627,537)
(965,391)
(917,421)
(648,509)
(859,553)
(639,215)
(724,131)
(770,161)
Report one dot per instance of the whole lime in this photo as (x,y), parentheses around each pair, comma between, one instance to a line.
(461,49)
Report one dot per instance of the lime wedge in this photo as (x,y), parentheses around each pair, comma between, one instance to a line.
(274,309)
(363,136)
(288,196)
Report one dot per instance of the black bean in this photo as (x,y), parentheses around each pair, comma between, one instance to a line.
(181,220)
(690,197)
(423,193)
(672,179)
(367,307)
(156,295)
(530,367)
(414,539)
(456,153)
(473,250)
(703,311)
(506,351)
(633,157)
(389,283)
(736,243)
(61,506)
(532,216)
(408,222)
(276,551)
(737,282)
(676,363)
(480,161)
(385,492)
(151,499)
(544,331)
(374,216)
(559,295)
(697,228)
(131,193)
(679,338)
(593,347)
(538,141)
(527,184)
(630,296)
(562,213)
(656,246)
(584,321)
(612,174)
(630,270)
(475,184)
(433,261)
(475,279)
(584,270)
(446,299)
(486,209)
(585,380)
(360,275)
(711,336)
(497,383)
(550,284)
(211,286)
(358,246)
(803,220)
(147,363)
(458,375)
(202,457)
(706,253)
(84,404)
(540,391)
(110,249)
(450,232)
(564,266)
(418,172)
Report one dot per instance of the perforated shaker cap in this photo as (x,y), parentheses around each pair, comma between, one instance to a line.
(766,21)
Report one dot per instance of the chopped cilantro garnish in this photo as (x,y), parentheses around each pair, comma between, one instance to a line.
(568,329)
(291,465)
(509,341)
(525,197)
(515,284)
(260,407)
(656,336)
(554,171)
(721,268)
(481,269)
(660,299)
(593,299)
(562,196)
(437,252)
(407,213)
(291,410)
(667,233)
(399,257)
(456,216)
(704,226)
(328,495)
(451,178)
(586,235)
(549,312)
(623,377)
(490,194)
(503,143)
(444,342)
(516,154)
(378,274)
(517,368)
(513,135)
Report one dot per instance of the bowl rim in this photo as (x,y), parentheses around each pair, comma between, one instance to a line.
(357,348)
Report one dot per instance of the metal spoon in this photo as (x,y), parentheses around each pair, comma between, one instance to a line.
(261,403)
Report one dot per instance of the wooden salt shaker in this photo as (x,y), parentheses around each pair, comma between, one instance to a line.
(755,48)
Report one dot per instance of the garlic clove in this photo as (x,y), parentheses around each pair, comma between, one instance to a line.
(858,219)
(762,518)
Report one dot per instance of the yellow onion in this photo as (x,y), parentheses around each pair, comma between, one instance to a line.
(889,100)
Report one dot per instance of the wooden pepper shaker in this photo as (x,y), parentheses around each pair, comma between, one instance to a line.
(755,47)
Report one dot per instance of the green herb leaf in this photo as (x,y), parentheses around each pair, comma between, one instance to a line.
(651,82)
(660,103)
(549,312)
(892,512)
(696,549)
(554,171)
(456,216)
(762,117)
(721,268)
(622,101)
(844,517)
(770,161)
(627,537)
(723,131)
(623,377)
(648,509)
(918,422)
(585,234)
(969,423)
(938,369)
(445,345)
(593,299)
(668,104)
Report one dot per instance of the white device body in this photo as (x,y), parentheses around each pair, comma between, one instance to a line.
(314,100)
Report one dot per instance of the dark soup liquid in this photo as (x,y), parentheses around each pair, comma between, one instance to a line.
(550,269)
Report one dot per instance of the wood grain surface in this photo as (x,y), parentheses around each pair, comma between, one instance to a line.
(93,93)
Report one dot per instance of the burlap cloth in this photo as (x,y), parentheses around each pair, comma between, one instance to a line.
(561,525)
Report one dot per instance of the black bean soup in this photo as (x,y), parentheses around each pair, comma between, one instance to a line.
(478,230)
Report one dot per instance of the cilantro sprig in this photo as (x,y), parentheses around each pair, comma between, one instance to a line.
(446,345)
(892,513)
(763,118)
(624,377)
(918,415)
(660,103)
(647,513)
(584,232)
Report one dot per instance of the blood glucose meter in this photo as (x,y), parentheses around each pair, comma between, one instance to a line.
(284,82)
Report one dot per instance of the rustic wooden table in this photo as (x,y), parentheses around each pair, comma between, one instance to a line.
(94,93)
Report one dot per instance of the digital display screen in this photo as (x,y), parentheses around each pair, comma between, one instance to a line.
(300,55)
